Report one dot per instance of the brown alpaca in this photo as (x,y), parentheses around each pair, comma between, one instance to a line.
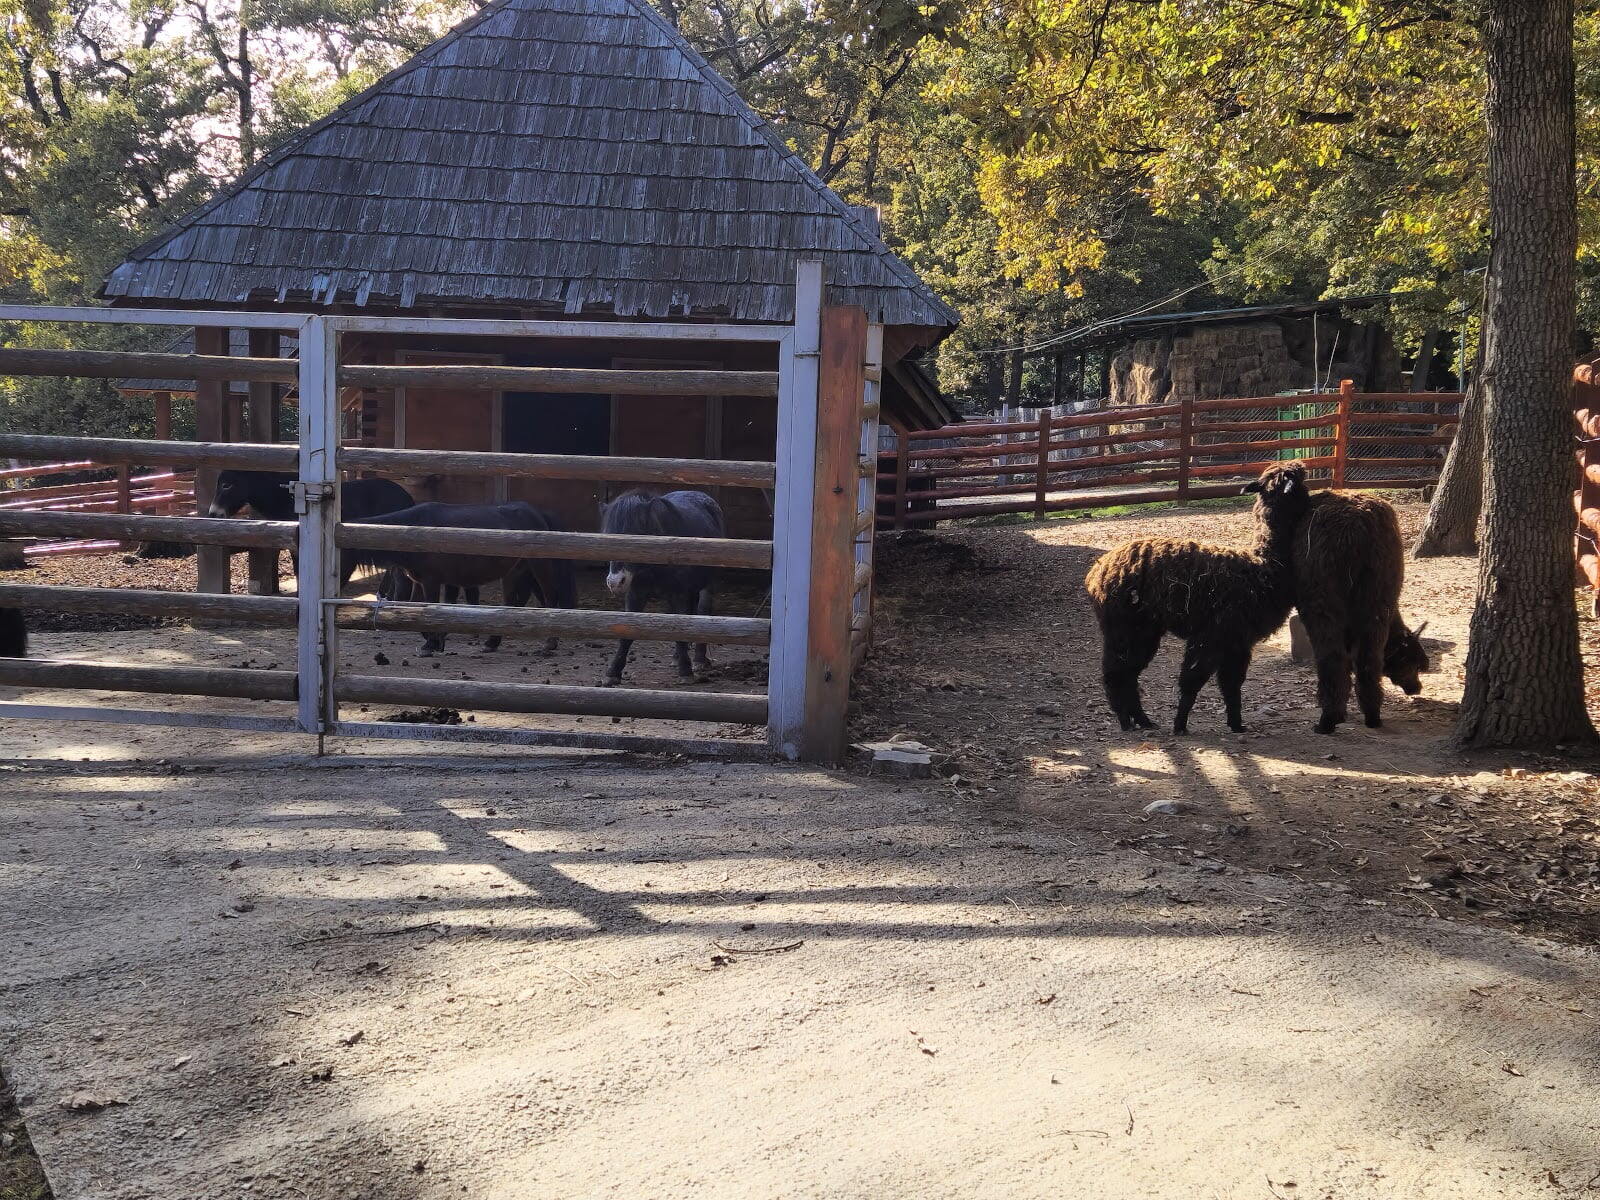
(1220,601)
(1349,566)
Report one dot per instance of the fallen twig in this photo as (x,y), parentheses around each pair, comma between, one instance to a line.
(335,937)
(759,949)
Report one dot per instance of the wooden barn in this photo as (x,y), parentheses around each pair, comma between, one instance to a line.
(571,158)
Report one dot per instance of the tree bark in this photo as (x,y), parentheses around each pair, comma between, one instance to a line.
(1524,674)
(1452,524)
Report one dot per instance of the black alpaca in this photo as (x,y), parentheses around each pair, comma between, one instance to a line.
(676,514)
(1349,568)
(270,495)
(1220,601)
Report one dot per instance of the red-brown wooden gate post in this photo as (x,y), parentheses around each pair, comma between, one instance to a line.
(902,472)
(1185,446)
(1042,480)
(841,378)
(1341,432)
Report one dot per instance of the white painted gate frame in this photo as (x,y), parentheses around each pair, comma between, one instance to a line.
(317,492)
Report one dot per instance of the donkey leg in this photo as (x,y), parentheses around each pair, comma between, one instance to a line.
(619,660)
(680,650)
(1230,682)
(431,642)
(515,590)
(1198,664)
(703,607)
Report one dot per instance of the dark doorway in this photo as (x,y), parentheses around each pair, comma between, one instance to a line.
(545,423)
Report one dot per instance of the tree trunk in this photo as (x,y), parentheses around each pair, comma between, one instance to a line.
(1452,524)
(1524,674)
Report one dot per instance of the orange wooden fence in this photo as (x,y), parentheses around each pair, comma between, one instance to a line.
(1164,452)
(159,492)
(1586,500)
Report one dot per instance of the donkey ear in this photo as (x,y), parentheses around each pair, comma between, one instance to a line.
(1253,486)
(1417,632)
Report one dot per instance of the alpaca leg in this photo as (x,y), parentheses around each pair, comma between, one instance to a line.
(1230,682)
(1369,676)
(1333,687)
(1198,664)
(1124,656)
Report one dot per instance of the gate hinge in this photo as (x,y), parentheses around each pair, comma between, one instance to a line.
(306,494)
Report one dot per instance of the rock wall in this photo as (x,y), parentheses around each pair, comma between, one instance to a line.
(1255,358)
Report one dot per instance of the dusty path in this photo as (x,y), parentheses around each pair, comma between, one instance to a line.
(400,975)
(557,977)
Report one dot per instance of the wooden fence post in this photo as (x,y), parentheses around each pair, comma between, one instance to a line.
(317,501)
(902,473)
(1185,446)
(867,491)
(1341,432)
(1041,482)
(798,356)
(840,383)
(212,563)
(261,425)
(124,488)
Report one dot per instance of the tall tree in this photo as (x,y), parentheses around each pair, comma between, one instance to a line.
(1524,674)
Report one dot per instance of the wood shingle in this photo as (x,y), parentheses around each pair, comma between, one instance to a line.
(561,155)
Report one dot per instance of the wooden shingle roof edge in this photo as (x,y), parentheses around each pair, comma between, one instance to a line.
(913,301)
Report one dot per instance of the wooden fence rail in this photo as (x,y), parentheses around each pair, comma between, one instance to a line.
(1164,452)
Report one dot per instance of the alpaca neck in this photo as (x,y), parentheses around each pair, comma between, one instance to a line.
(1274,547)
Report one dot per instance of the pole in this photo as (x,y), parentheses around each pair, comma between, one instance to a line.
(212,563)
(798,359)
(1041,482)
(1341,432)
(317,501)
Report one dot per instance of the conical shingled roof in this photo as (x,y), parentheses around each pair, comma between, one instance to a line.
(575,155)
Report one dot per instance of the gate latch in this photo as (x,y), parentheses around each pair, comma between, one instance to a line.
(307,494)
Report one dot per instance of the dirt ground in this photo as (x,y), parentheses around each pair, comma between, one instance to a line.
(237,971)
(988,650)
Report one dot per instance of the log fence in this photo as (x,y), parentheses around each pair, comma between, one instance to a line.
(826,384)
(1163,452)
(124,491)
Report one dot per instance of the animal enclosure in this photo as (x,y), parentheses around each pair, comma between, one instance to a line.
(826,387)
(1191,450)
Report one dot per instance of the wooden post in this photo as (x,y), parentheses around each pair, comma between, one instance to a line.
(1042,470)
(317,501)
(841,379)
(212,562)
(902,472)
(867,489)
(1185,446)
(261,425)
(1341,432)
(163,401)
(124,488)
(798,356)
